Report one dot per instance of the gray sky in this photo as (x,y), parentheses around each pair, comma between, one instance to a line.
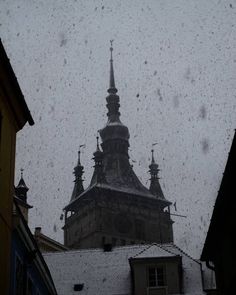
(175,71)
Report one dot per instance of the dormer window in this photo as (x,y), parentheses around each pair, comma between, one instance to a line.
(156,276)
(163,274)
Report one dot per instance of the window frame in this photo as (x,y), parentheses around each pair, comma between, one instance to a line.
(159,278)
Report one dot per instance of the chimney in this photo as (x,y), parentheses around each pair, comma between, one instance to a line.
(37,230)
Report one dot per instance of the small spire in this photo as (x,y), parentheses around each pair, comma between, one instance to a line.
(112,88)
(78,172)
(79,153)
(152,151)
(79,157)
(155,187)
(98,149)
(153,160)
(21,189)
(98,175)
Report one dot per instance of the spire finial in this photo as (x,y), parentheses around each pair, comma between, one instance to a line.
(79,153)
(97,138)
(152,151)
(111,49)
(112,88)
(21,172)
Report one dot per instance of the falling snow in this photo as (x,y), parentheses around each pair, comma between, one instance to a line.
(175,72)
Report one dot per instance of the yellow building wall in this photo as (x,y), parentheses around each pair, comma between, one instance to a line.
(7,163)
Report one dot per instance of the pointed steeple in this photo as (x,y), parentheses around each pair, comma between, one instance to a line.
(114,129)
(21,196)
(155,187)
(21,189)
(98,175)
(112,88)
(78,172)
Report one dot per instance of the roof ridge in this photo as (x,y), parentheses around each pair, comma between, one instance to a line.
(182,251)
(150,245)
(94,249)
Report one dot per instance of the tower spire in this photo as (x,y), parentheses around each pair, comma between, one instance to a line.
(155,187)
(21,189)
(112,87)
(78,172)
(98,175)
(21,195)
(98,149)
(152,151)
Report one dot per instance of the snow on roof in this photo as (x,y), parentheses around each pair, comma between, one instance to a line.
(109,272)
(152,251)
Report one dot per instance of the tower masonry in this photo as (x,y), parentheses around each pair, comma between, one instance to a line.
(116,208)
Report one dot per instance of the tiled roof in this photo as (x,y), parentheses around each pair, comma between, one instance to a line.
(109,272)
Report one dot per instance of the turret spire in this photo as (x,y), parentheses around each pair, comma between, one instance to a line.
(155,187)
(98,175)
(112,87)
(21,189)
(21,196)
(152,151)
(98,149)
(78,172)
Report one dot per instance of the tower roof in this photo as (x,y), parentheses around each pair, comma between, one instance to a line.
(21,191)
(21,183)
(115,143)
(114,129)
(112,170)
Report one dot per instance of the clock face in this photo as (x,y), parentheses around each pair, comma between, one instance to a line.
(122,223)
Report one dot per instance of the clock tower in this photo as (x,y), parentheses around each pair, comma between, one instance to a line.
(116,208)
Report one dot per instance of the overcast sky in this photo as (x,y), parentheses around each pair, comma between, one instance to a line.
(175,72)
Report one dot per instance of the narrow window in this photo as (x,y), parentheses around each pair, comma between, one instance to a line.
(156,276)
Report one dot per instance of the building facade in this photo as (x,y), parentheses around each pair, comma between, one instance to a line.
(29,272)
(14,114)
(156,269)
(219,248)
(116,208)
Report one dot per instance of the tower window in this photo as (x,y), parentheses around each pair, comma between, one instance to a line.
(156,276)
